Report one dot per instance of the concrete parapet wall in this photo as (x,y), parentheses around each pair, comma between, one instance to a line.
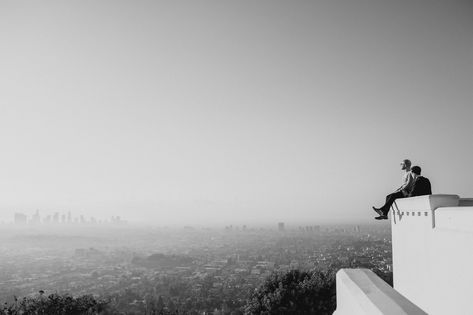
(466,202)
(360,291)
(432,237)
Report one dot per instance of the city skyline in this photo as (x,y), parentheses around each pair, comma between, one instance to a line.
(61,217)
(231,113)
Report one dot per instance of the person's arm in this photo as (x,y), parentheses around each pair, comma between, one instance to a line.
(408,179)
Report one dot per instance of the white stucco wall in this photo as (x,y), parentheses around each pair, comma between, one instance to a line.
(432,239)
(361,292)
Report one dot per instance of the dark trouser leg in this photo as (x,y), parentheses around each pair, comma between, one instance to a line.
(390,200)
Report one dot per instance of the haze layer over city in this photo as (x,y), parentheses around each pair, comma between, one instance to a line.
(208,113)
(182,157)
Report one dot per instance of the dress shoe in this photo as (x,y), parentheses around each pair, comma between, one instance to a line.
(378,211)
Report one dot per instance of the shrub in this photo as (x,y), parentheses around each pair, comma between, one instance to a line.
(55,304)
(295,292)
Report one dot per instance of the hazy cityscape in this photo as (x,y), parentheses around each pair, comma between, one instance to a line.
(225,157)
(194,270)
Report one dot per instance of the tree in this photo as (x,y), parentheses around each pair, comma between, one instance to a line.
(295,292)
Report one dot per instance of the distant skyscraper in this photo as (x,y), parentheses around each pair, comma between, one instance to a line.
(281,226)
(36,218)
(69,217)
(20,218)
(118,220)
(56,217)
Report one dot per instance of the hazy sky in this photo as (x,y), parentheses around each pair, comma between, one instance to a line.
(231,112)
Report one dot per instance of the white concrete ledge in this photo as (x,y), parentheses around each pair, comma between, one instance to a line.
(432,255)
(361,291)
(455,218)
(466,202)
(429,202)
(422,207)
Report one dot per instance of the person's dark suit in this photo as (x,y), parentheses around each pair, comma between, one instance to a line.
(421,187)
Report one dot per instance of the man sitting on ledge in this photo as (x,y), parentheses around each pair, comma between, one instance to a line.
(421,184)
(401,192)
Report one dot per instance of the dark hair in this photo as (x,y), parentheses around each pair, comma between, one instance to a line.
(416,170)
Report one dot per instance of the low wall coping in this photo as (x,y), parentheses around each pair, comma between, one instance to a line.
(422,205)
(372,295)
(429,202)
(466,202)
